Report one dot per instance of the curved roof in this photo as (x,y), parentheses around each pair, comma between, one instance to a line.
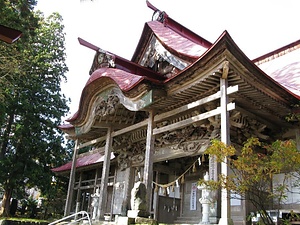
(123,79)
(104,77)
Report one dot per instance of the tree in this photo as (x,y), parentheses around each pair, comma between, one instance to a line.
(32,105)
(252,169)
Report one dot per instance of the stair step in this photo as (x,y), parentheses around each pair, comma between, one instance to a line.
(187,220)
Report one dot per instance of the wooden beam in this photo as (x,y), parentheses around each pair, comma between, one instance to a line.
(91,142)
(130,128)
(192,105)
(192,120)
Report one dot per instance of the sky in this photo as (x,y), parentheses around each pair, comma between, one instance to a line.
(256,26)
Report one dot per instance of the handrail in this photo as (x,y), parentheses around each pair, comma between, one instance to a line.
(70,216)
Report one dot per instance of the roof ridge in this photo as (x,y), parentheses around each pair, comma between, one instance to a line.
(277,53)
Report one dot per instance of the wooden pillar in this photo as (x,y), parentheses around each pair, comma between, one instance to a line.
(156,197)
(214,170)
(96,179)
(105,175)
(71,181)
(113,194)
(225,138)
(78,197)
(148,165)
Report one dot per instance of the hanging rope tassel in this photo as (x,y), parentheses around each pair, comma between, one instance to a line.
(177,183)
(194,168)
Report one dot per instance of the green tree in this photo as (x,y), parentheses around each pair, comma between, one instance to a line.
(252,169)
(32,105)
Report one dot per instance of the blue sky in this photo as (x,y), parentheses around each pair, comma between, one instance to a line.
(257,26)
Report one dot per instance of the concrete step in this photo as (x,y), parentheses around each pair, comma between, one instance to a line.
(187,220)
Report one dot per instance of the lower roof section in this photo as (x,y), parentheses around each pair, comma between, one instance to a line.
(83,161)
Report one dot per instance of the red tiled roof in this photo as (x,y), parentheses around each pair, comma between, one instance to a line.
(175,42)
(83,161)
(289,77)
(285,70)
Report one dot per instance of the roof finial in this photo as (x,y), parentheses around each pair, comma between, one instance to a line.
(157,15)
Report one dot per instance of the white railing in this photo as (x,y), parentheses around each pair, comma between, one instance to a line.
(84,215)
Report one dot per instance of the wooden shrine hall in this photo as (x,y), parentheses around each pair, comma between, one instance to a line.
(151,118)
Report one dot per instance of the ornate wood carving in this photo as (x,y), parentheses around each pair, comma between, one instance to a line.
(102,59)
(244,127)
(161,60)
(181,135)
(190,146)
(134,153)
(107,106)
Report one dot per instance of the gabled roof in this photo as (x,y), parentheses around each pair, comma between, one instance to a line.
(176,38)
(176,42)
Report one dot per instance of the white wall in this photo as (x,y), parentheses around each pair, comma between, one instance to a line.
(292,193)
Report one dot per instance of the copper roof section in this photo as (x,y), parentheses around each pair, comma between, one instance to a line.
(175,42)
(9,35)
(283,66)
(123,79)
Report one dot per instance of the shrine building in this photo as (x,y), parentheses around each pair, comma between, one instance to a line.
(151,118)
